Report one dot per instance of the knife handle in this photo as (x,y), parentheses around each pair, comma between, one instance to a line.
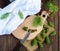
(17,46)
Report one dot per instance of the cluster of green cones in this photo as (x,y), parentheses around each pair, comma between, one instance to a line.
(48,30)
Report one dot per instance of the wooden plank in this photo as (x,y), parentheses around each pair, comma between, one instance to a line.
(4,3)
(59,30)
(1,3)
(54,40)
(59,25)
(8,42)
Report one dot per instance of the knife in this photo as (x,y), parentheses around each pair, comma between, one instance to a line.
(20,43)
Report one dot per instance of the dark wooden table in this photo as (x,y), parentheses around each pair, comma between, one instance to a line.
(8,42)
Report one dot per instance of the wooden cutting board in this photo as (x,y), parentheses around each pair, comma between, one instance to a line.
(20,33)
(28,45)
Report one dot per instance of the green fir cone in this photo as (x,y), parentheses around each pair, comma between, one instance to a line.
(46,30)
(53,33)
(25,28)
(51,24)
(38,21)
(39,38)
(4,16)
(47,40)
(53,8)
(40,44)
(43,35)
(20,14)
(33,42)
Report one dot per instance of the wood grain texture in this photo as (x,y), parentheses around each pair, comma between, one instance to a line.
(54,40)
(4,3)
(8,42)
(59,24)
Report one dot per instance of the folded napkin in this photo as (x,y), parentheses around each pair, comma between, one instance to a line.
(27,7)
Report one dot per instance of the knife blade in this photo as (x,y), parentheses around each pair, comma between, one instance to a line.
(20,43)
